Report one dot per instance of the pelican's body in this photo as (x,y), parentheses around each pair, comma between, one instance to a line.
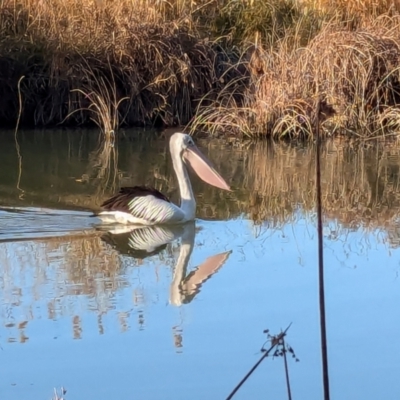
(140,205)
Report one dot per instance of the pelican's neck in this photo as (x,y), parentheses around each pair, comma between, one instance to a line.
(176,296)
(188,202)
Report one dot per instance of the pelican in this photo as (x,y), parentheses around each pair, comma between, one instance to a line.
(143,241)
(141,205)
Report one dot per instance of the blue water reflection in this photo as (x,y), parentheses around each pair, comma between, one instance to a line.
(80,313)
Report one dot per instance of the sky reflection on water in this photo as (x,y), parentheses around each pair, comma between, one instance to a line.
(99,334)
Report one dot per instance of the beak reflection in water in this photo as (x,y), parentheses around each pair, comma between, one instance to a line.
(141,242)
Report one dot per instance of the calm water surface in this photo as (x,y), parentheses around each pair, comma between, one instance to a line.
(180,313)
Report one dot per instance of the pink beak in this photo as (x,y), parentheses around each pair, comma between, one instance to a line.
(204,168)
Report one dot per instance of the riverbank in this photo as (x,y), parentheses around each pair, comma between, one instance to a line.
(243,68)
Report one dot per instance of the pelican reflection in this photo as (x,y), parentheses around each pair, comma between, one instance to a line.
(145,241)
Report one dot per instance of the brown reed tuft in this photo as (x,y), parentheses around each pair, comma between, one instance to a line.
(78,55)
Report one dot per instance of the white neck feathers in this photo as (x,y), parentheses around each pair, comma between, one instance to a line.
(188,202)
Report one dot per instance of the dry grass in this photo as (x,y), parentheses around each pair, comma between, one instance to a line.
(81,59)
(353,75)
(242,67)
(352,9)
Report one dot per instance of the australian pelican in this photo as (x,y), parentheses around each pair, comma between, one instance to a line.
(143,241)
(147,206)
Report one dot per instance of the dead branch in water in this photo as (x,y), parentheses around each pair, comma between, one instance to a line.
(277,340)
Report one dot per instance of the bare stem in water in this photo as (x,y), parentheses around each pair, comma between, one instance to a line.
(17,147)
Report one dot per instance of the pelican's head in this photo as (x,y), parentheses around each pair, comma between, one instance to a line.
(182,145)
(179,142)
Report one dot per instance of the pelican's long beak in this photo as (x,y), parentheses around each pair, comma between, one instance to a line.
(204,168)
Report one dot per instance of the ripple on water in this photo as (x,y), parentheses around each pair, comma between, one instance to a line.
(18,223)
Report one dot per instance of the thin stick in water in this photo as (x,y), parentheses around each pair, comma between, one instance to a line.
(324,347)
(276,340)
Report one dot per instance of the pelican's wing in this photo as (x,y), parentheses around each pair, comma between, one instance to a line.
(155,210)
(142,241)
(152,237)
(145,205)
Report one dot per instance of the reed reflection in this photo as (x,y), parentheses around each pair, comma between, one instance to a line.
(67,278)
(102,168)
(271,182)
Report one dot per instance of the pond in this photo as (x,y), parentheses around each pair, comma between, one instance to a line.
(103,316)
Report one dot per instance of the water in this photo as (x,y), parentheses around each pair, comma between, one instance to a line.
(180,313)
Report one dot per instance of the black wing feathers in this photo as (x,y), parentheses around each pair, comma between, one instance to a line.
(120,202)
